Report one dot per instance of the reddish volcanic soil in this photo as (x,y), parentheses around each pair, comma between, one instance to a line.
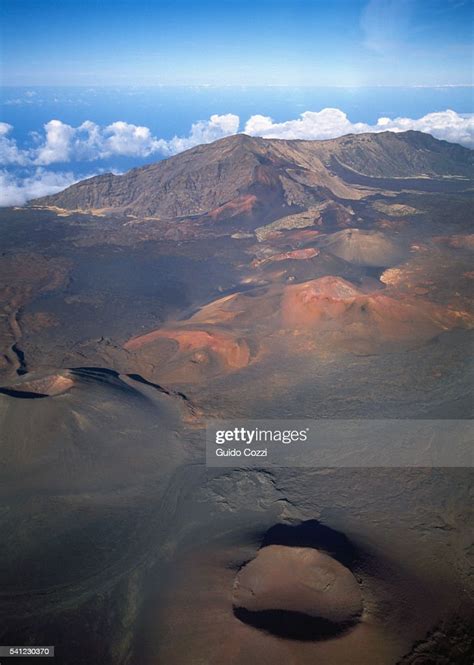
(333,315)
(326,302)
(296,254)
(242,205)
(194,353)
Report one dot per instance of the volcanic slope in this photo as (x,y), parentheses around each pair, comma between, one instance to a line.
(266,179)
(76,494)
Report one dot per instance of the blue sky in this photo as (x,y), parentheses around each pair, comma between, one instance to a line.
(249,42)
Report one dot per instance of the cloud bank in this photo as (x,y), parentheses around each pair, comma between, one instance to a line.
(15,190)
(331,123)
(61,143)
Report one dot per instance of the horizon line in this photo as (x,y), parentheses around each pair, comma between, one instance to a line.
(234,85)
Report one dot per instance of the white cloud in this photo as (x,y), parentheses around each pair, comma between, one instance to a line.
(57,146)
(325,124)
(62,143)
(446,125)
(15,190)
(331,123)
(9,151)
(217,127)
(122,138)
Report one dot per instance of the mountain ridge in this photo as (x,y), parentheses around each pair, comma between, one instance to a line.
(278,175)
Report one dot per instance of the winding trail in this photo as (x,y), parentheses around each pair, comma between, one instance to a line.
(14,355)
